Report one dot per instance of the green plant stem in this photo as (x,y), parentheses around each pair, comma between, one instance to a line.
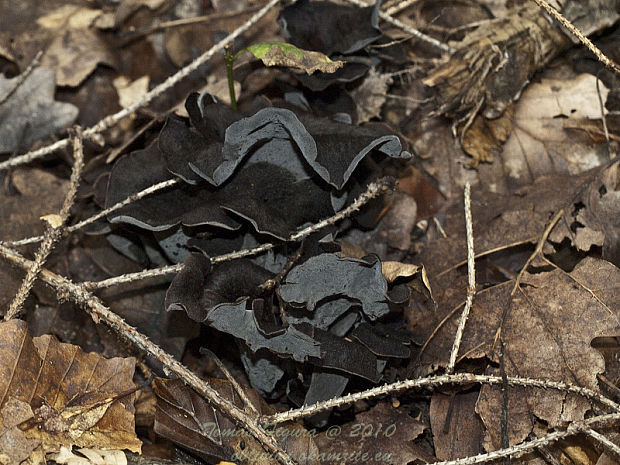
(229,58)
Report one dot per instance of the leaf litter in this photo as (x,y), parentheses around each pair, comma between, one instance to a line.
(374,298)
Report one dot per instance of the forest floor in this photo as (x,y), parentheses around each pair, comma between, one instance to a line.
(309,232)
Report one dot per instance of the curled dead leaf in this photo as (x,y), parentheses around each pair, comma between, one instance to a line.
(283,54)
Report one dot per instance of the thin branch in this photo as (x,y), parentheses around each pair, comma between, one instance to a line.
(132,198)
(231,379)
(577,33)
(601,105)
(408,29)
(111,120)
(374,189)
(487,252)
(471,281)
(539,247)
(22,77)
(53,230)
(504,389)
(98,311)
(271,283)
(528,446)
(135,33)
(400,7)
(602,440)
(434,381)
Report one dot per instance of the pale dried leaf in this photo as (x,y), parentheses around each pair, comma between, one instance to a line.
(370,95)
(130,92)
(30,113)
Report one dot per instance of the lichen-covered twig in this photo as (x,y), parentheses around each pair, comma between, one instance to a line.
(111,120)
(374,189)
(132,198)
(577,33)
(436,381)
(471,281)
(53,231)
(527,446)
(602,440)
(99,312)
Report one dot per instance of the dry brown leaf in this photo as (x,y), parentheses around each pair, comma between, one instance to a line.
(597,223)
(23,209)
(65,33)
(189,420)
(383,434)
(485,138)
(77,398)
(547,327)
(457,429)
(547,331)
(74,54)
(128,7)
(499,222)
(183,44)
(15,446)
(69,16)
(539,144)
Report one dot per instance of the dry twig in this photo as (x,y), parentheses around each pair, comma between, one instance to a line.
(132,198)
(577,33)
(602,440)
(53,230)
(434,381)
(471,280)
(538,250)
(408,29)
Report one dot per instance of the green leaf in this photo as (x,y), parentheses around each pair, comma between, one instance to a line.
(283,54)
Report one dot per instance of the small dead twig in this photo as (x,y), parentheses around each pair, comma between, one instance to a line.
(143,31)
(504,416)
(577,33)
(53,230)
(374,189)
(132,198)
(231,379)
(538,250)
(601,105)
(394,9)
(611,386)
(534,444)
(471,280)
(22,77)
(271,283)
(111,120)
(602,440)
(98,311)
(408,29)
